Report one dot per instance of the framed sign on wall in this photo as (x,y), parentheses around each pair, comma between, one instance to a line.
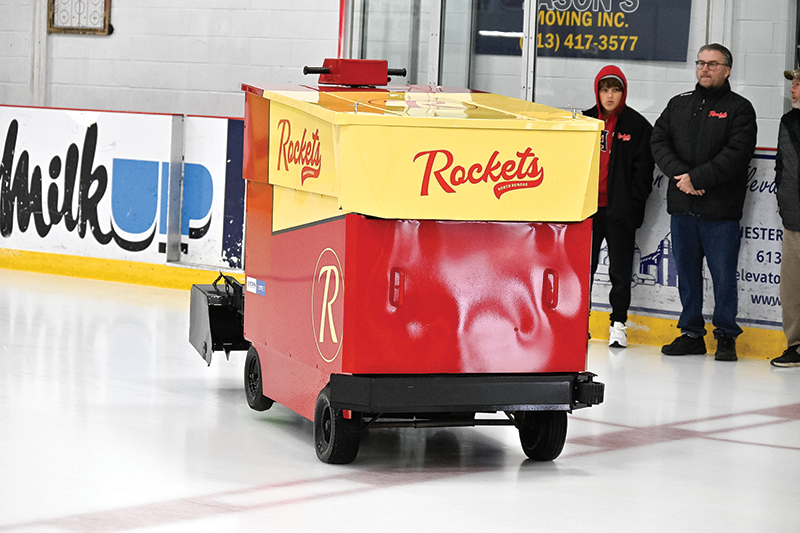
(88,17)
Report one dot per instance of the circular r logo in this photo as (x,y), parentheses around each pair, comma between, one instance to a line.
(327,297)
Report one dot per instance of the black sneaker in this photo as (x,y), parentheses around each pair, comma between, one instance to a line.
(789,358)
(726,349)
(685,345)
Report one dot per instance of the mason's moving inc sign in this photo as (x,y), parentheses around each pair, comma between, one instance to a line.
(652,30)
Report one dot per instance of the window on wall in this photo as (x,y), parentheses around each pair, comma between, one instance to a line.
(90,17)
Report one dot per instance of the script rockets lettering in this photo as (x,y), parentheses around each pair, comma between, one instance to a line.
(522,172)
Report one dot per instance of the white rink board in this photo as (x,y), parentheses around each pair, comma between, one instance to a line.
(118,164)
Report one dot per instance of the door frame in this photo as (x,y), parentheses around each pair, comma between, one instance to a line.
(351,29)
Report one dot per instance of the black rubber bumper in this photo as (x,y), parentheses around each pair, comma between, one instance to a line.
(464,392)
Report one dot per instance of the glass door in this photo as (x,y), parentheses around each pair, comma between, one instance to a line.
(395,30)
(479,44)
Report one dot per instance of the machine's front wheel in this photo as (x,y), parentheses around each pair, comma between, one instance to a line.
(253,388)
(542,433)
(336,438)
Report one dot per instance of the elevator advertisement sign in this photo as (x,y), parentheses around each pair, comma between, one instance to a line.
(758,274)
(652,30)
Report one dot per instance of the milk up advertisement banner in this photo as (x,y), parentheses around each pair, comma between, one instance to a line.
(95,184)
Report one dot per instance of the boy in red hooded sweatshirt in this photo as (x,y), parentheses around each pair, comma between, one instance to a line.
(626,178)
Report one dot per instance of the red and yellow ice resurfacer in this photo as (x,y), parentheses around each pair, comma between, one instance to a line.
(415,256)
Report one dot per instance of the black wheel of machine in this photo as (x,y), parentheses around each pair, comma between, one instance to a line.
(253,390)
(542,433)
(336,438)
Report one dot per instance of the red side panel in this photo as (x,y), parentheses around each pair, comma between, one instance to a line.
(294,304)
(280,272)
(463,297)
(256,135)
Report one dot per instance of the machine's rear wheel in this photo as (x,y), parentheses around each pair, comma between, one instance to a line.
(253,388)
(336,438)
(542,433)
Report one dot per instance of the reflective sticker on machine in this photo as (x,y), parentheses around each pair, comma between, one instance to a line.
(256,286)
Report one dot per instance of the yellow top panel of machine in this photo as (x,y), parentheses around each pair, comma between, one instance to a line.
(433,153)
(381,106)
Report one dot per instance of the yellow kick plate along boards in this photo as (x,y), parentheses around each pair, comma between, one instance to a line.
(430,153)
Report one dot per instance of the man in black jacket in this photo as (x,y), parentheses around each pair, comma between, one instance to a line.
(787,178)
(626,178)
(703,142)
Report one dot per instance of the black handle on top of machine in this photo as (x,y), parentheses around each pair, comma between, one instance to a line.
(316,70)
(396,72)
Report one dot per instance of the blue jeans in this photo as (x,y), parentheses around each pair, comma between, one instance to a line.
(718,241)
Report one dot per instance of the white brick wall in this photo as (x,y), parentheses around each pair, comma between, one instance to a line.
(169,56)
(166,57)
(760,35)
(15,47)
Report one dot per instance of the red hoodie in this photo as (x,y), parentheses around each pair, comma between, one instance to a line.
(610,125)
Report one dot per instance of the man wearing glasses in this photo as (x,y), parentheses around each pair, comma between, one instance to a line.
(703,141)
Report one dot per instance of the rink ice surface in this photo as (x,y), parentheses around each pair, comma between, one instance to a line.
(110,421)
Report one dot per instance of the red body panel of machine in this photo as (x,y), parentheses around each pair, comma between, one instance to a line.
(371,296)
(465,297)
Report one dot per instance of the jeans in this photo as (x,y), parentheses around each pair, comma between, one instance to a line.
(718,241)
(621,242)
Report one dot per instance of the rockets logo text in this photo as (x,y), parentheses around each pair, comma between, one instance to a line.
(521,172)
(305,151)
